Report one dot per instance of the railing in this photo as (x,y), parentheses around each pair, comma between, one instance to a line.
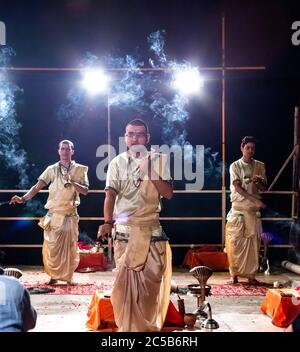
(180,218)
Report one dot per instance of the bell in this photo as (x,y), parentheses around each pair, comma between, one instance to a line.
(209,323)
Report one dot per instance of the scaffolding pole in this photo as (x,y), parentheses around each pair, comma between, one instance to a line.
(294,253)
(296,164)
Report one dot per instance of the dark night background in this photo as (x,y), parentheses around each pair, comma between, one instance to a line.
(260,103)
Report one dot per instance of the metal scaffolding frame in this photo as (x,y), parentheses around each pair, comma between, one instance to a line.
(223,69)
(181,218)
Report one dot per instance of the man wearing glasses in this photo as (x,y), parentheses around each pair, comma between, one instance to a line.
(136,181)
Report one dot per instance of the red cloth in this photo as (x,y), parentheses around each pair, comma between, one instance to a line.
(207,248)
(214,260)
(84,246)
(173,317)
(96,261)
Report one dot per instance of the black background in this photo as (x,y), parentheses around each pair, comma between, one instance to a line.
(260,103)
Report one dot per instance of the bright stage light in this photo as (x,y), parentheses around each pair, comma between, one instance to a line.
(188,81)
(95,81)
(3,105)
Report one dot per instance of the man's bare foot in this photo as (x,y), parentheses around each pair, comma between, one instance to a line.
(234,280)
(253,282)
(52,282)
(71,283)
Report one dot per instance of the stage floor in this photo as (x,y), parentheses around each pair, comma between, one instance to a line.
(68,312)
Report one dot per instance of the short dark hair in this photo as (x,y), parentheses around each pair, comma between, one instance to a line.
(248,139)
(66,141)
(138,122)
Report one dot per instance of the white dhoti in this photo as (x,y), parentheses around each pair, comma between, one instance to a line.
(243,232)
(60,250)
(141,291)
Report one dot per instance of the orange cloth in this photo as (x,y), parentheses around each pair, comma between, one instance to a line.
(96,260)
(101,315)
(282,309)
(213,260)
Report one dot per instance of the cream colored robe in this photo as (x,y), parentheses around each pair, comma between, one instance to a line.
(244,227)
(60,250)
(141,291)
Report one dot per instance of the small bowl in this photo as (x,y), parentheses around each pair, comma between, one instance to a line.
(189,320)
(86,270)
